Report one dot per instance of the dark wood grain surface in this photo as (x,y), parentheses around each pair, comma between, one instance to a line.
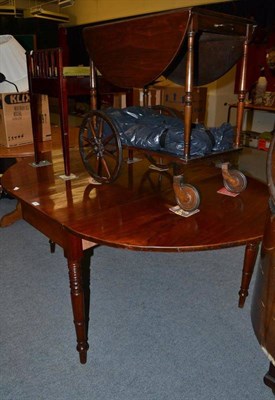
(134,211)
(135,51)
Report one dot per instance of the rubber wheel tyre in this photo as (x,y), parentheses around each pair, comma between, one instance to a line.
(239,184)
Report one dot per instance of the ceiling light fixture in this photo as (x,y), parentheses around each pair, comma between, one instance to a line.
(7,7)
(65,3)
(39,12)
(13,65)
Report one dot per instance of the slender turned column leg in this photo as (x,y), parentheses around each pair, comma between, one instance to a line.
(269,378)
(242,92)
(250,256)
(130,155)
(188,95)
(74,256)
(52,246)
(86,272)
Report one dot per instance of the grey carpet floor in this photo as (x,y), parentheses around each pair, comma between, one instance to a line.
(162,326)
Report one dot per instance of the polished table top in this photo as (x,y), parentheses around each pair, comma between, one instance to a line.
(26,150)
(133,212)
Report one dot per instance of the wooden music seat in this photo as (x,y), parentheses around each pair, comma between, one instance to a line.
(45,74)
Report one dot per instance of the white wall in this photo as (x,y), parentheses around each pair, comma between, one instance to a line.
(259,121)
(219,94)
(87,11)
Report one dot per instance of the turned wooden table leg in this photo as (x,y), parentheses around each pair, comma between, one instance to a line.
(74,254)
(52,246)
(251,252)
(86,273)
(269,378)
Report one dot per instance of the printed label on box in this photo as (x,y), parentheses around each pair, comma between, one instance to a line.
(15,119)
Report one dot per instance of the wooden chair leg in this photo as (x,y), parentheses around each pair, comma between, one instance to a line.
(269,378)
(130,155)
(52,246)
(251,252)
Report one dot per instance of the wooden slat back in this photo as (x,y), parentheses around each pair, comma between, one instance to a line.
(45,63)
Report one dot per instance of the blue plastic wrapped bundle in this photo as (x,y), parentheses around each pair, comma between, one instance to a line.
(145,135)
(146,128)
(122,119)
(224,137)
(140,127)
(200,143)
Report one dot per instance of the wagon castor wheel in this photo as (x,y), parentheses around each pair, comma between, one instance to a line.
(187,195)
(100,147)
(234,181)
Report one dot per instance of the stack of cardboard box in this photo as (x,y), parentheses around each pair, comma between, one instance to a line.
(15,119)
(173,97)
(170,95)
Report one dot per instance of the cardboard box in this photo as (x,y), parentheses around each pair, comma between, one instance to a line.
(174,97)
(264,141)
(44,117)
(119,100)
(263,144)
(15,119)
(154,97)
(251,139)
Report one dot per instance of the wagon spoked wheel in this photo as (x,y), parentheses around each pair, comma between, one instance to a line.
(100,147)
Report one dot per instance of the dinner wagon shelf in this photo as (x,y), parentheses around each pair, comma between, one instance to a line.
(190,46)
